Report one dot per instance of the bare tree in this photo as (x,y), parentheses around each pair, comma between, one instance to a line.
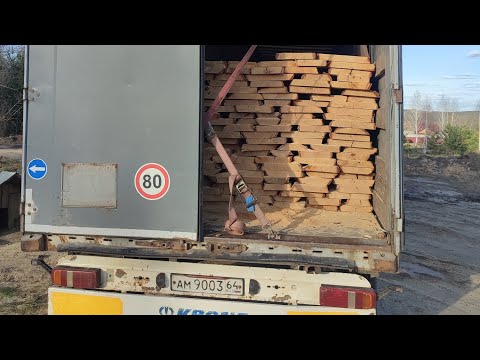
(453,108)
(427,108)
(443,108)
(414,115)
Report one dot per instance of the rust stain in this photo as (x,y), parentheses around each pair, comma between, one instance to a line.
(120,273)
(281,298)
(140,281)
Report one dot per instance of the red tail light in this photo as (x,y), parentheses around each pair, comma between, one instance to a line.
(77,278)
(348,297)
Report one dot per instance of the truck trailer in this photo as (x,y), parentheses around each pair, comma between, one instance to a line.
(112,179)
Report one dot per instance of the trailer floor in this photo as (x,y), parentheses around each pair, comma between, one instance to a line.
(311,222)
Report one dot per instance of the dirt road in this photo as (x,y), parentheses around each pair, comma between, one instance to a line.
(440,267)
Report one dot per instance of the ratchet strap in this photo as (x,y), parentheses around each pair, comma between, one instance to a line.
(233,225)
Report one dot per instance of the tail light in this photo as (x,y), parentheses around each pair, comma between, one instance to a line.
(77,278)
(348,297)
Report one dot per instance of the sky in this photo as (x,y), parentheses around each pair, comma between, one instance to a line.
(453,70)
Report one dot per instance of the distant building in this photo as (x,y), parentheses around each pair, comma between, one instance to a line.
(10,185)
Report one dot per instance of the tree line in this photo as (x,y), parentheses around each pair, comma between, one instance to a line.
(441,128)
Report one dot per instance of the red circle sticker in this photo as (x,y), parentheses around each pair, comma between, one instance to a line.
(152,181)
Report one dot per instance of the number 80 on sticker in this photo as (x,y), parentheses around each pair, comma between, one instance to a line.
(152,181)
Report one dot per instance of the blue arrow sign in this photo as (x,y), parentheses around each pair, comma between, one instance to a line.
(37,169)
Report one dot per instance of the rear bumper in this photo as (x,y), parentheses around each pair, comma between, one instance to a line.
(81,302)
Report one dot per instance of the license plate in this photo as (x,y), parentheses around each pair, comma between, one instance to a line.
(207,284)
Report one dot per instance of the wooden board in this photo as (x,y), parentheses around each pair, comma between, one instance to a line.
(280,153)
(246,166)
(326,148)
(215,67)
(280,96)
(229,134)
(316,154)
(349,85)
(353,124)
(372,151)
(277,166)
(267,84)
(300,70)
(322,175)
(348,143)
(301,110)
(222,82)
(345,196)
(238,96)
(358,202)
(358,209)
(310,103)
(273,90)
(326,98)
(250,147)
(325,201)
(354,105)
(314,129)
(355,163)
(356,170)
(229,102)
(276,180)
(268,78)
(312,63)
(255,109)
(315,161)
(268,121)
(350,131)
(276,63)
(309,90)
(239,127)
(310,83)
(293,147)
(258,141)
(277,187)
(350,112)
(320,188)
(307,135)
(267,70)
(352,66)
(337,136)
(284,173)
(286,199)
(273,128)
(297,116)
(356,118)
(236,115)
(344,58)
(222,122)
(272,159)
(277,102)
(295,56)
(358,93)
(322,168)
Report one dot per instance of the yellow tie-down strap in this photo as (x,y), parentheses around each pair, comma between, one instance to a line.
(82,304)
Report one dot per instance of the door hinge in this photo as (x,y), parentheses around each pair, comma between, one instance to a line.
(400,225)
(398,95)
(30,94)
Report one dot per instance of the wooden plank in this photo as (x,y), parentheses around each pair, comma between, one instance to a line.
(297,116)
(250,153)
(293,147)
(353,124)
(320,188)
(326,148)
(353,118)
(277,102)
(352,99)
(354,189)
(293,206)
(229,134)
(222,82)
(277,166)
(316,154)
(350,112)
(224,108)
(344,58)
(346,196)
(310,83)
(267,70)
(295,56)
(268,121)
(236,115)
(308,141)
(311,103)
(322,168)
(357,202)
(273,128)
(277,187)
(350,85)
(255,109)
(324,207)
(286,199)
(250,147)
(314,122)
(381,211)
(314,128)
(280,153)
(215,67)
(300,70)
(259,141)
(280,96)
(238,127)
(222,122)
(299,194)
(238,96)
(352,157)
(321,175)
(276,180)
(309,90)
(272,159)
(246,166)
(268,78)
(273,90)
(356,170)
(246,121)
(350,131)
(225,77)
(325,201)
(347,176)
(358,93)
(326,98)
(315,161)
(276,63)
(284,173)
(357,209)
(212,92)
(337,136)
(301,110)
(367,183)
(229,102)
(353,78)
(353,105)
(312,63)
(352,66)
(267,84)
(317,77)
(306,135)
(348,143)
(372,151)
(366,177)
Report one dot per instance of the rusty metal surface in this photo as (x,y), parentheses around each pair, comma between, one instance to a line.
(33,242)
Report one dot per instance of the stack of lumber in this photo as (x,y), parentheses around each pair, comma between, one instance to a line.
(297,128)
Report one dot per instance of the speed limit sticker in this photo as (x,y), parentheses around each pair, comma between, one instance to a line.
(152,181)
